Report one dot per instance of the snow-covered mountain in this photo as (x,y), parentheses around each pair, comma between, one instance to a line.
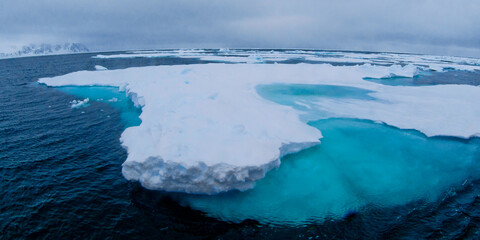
(43,49)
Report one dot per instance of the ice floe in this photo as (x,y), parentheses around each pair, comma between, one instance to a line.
(205,129)
(425,62)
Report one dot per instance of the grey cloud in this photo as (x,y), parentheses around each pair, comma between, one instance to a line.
(439,27)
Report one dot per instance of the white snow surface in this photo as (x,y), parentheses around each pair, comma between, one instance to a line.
(206,130)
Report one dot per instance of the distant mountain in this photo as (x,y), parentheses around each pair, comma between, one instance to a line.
(44,49)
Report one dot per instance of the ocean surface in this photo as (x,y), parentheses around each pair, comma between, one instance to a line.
(61,174)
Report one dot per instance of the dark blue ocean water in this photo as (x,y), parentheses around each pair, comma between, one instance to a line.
(61,175)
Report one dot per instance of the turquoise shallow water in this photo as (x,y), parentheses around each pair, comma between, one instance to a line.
(111,95)
(303,97)
(359,165)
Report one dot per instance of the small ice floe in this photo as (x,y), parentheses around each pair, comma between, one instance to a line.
(224,50)
(100,68)
(113,99)
(80,103)
(255,58)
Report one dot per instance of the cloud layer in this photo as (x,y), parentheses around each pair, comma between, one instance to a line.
(429,26)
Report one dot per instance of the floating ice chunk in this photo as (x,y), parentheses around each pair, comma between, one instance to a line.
(100,68)
(79,103)
(409,70)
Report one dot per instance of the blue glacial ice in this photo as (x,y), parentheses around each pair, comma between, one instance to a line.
(360,164)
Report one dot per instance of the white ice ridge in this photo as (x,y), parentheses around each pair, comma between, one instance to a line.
(206,130)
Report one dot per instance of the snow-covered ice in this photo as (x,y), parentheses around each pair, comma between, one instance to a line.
(424,62)
(205,129)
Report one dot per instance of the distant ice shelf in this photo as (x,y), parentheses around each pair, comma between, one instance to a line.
(420,62)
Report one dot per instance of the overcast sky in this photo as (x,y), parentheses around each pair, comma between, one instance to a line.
(431,26)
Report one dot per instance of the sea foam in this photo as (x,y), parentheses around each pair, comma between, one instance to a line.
(79,103)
